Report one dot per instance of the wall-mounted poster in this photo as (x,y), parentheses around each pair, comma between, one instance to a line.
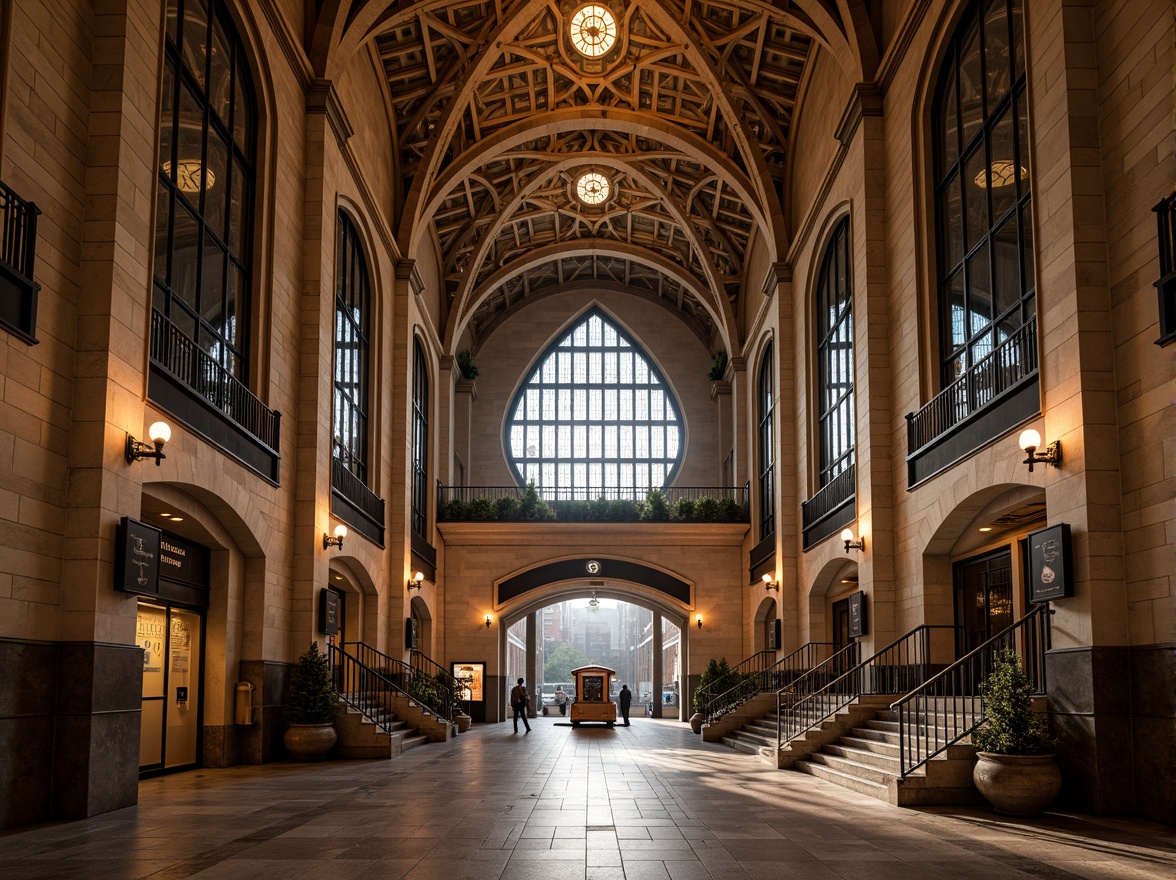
(136,558)
(858,625)
(1050,572)
(328,612)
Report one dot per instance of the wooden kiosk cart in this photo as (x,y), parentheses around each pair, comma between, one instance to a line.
(593,684)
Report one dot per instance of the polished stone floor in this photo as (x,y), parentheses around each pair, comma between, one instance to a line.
(639,803)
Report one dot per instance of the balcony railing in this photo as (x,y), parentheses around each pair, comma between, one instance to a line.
(356,504)
(184,374)
(1166,286)
(1004,377)
(707,504)
(831,509)
(18,248)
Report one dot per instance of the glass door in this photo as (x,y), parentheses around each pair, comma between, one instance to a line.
(172,642)
(983,597)
(840,624)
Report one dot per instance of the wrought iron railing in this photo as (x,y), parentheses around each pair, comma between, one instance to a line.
(352,488)
(899,667)
(829,498)
(369,691)
(18,234)
(1011,362)
(613,504)
(447,685)
(432,693)
(18,250)
(753,665)
(761,677)
(175,352)
(947,707)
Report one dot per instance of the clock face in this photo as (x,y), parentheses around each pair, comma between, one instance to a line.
(592,567)
(188,175)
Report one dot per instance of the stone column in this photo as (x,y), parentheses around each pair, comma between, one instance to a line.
(658,672)
(465,393)
(533,662)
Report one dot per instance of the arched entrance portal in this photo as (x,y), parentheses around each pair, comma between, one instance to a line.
(670,598)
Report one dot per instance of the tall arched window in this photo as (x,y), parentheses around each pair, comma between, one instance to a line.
(420,440)
(352,316)
(985,276)
(834,331)
(206,170)
(767,447)
(596,417)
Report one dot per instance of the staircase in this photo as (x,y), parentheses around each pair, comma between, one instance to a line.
(373,731)
(865,759)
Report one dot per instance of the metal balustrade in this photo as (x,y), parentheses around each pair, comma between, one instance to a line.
(435,695)
(1011,362)
(18,250)
(369,691)
(899,667)
(760,674)
(948,707)
(568,504)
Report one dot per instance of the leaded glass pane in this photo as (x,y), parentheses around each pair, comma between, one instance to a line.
(835,358)
(597,414)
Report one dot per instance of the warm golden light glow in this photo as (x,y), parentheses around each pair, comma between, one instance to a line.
(592,188)
(593,30)
(1003,173)
(188,175)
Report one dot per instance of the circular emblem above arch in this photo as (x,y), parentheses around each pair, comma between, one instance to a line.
(598,567)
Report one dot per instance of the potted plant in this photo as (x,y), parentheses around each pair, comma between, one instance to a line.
(715,670)
(718,367)
(465,364)
(1015,766)
(310,707)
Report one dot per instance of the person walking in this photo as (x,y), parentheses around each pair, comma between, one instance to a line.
(518,702)
(561,699)
(625,700)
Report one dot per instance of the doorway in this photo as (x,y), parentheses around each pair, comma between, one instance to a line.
(983,597)
(840,624)
(172,640)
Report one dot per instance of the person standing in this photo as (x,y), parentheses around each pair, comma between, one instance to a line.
(625,700)
(518,702)
(561,699)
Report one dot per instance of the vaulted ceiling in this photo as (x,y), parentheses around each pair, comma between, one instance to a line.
(687,115)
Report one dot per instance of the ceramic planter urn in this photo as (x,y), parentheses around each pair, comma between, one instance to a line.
(696,722)
(463,722)
(1017,785)
(310,742)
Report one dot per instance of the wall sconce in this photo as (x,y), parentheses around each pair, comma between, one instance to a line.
(698,620)
(137,450)
(337,539)
(850,543)
(415,581)
(487,621)
(1030,440)
(769,584)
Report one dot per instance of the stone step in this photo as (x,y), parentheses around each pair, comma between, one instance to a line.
(412,741)
(850,767)
(845,780)
(889,763)
(739,744)
(877,746)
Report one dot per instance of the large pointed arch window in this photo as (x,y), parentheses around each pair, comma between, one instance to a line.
(834,320)
(595,418)
(420,440)
(767,447)
(352,316)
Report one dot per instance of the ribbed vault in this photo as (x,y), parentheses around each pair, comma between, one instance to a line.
(688,115)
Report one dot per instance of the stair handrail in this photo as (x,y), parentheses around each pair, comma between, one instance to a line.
(911,663)
(958,685)
(766,679)
(756,662)
(423,664)
(405,680)
(813,680)
(360,686)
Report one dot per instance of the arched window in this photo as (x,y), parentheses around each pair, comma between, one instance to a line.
(834,331)
(985,274)
(767,454)
(206,170)
(596,417)
(352,316)
(420,440)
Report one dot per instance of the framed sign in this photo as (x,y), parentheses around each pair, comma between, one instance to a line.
(858,625)
(1050,571)
(136,558)
(328,612)
(470,680)
(411,636)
